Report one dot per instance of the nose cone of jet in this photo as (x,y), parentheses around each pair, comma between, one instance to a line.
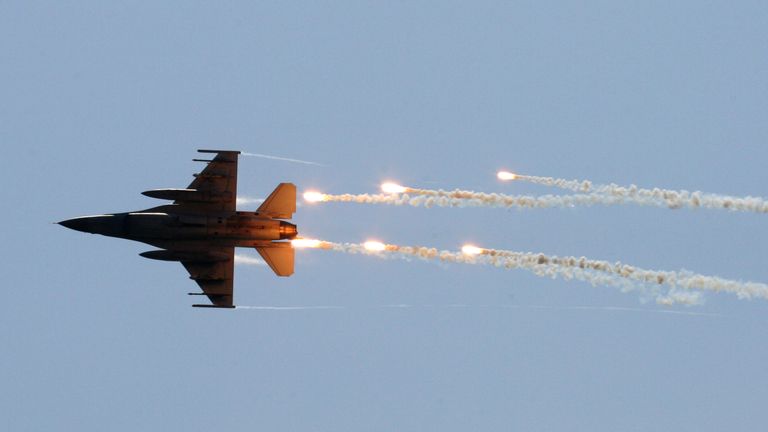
(78,224)
(102,224)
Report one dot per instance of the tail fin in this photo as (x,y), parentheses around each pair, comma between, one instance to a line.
(281,203)
(279,257)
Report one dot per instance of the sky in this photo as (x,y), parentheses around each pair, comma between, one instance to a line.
(103,100)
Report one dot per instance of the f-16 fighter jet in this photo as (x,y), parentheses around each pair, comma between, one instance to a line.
(202,227)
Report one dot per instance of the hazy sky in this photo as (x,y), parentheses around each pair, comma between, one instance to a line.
(103,100)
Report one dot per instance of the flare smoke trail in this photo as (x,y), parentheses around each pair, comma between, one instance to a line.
(609,195)
(284,159)
(682,279)
(655,197)
(460,198)
(683,287)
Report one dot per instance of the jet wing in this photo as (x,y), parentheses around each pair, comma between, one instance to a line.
(217,183)
(215,276)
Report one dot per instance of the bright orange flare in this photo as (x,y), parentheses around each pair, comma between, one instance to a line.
(472,250)
(506,175)
(306,243)
(393,188)
(374,246)
(313,196)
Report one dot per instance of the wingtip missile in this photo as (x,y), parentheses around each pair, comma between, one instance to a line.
(213,306)
(218,151)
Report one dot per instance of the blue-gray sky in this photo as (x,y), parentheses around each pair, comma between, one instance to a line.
(102,100)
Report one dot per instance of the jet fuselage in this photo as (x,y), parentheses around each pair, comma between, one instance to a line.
(238,229)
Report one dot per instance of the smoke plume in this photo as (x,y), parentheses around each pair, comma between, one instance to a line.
(655,197)
(666,287)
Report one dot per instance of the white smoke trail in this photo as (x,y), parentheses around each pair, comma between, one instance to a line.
(548,307)
(682,287)
(460,198)
(655,197)
(247,260)
(482,306)
(284,159)
(610,195)
(685,280)
(581,186)
(425,253)
(289,308)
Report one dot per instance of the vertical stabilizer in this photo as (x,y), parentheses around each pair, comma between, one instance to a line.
(281,203)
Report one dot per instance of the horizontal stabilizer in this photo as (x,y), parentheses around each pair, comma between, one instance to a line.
(281,203)
(279,257)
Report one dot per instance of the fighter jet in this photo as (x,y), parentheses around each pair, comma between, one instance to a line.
(202,227)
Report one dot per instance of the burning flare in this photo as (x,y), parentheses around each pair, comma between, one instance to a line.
(374,246)
(472,250)
(306,243)
(313,196)
(506,175)
(393,188)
